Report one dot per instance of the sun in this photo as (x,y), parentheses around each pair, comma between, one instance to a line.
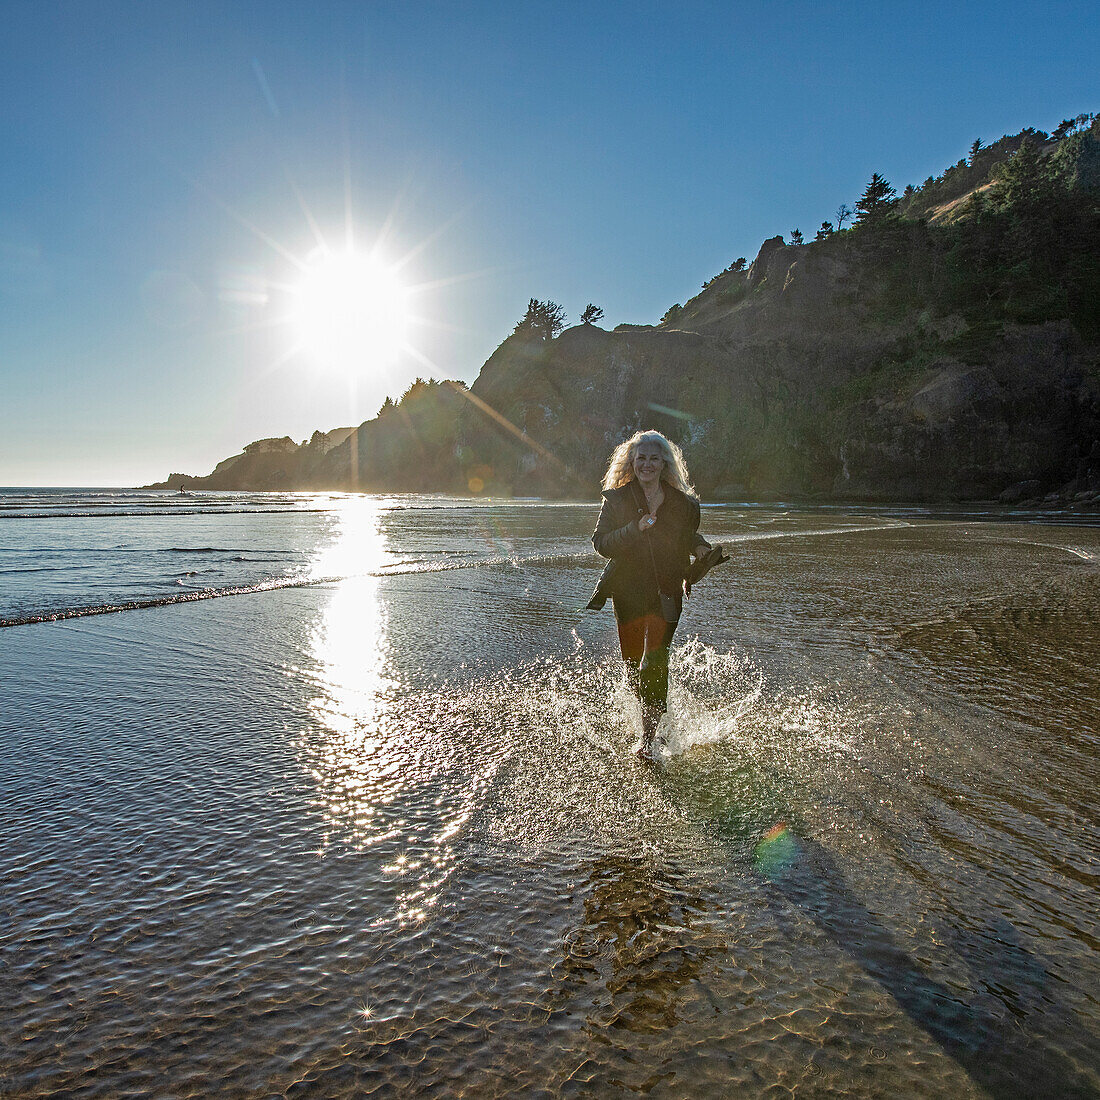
(350,311)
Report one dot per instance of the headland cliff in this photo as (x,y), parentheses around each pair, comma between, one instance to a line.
(938,345)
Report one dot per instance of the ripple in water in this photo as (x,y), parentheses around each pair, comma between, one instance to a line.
(292,844)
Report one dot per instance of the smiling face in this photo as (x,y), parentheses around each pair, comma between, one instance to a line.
(649,462)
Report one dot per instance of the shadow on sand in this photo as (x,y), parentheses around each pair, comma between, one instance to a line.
(985,1034)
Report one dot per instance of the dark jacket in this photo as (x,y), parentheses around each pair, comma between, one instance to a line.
(632,576)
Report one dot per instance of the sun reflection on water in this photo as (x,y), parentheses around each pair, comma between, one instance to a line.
(350,641)
(388,774)
(349,645)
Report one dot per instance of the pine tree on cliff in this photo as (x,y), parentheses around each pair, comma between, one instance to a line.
(1069,125)
(551,319)
(877,200)
(525,326)
(542,321)
(1023,178)
(591,314)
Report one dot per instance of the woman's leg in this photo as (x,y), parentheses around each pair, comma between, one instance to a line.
(632,636)
(653,671)
(644,641)
(632,647)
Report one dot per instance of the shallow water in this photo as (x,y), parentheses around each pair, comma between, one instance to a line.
(370,823)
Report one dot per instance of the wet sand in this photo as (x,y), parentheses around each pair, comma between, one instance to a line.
(383,834)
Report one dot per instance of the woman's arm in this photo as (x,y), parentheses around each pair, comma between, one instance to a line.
(609,540)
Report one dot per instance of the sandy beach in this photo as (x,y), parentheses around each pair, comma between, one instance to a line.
(384,834)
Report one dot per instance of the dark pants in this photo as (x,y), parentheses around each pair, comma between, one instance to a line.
(644,640)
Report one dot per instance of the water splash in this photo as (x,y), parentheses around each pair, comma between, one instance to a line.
(710,694)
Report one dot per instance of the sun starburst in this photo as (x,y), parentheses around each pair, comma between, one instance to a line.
(350,311)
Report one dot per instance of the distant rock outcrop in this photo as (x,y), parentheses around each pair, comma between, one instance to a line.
(266,464)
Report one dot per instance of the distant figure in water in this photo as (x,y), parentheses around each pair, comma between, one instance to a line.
(649,528)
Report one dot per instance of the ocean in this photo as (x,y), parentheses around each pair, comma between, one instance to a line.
(332,795)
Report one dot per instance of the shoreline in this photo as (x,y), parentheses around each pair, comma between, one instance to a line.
(1087,502)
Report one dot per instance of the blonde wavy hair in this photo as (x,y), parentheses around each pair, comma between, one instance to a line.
(620,470)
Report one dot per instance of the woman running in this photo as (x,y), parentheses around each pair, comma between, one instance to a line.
(649,528)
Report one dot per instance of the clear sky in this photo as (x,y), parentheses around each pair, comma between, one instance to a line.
(169,169)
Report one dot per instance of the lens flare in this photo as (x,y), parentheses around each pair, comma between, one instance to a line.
(776,851)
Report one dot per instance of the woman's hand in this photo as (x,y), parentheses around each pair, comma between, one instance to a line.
(646,522)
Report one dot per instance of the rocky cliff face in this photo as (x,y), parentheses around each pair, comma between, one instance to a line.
(408,448)
(905,359)
(795,388)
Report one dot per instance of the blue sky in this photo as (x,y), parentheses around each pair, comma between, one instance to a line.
(158,158)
